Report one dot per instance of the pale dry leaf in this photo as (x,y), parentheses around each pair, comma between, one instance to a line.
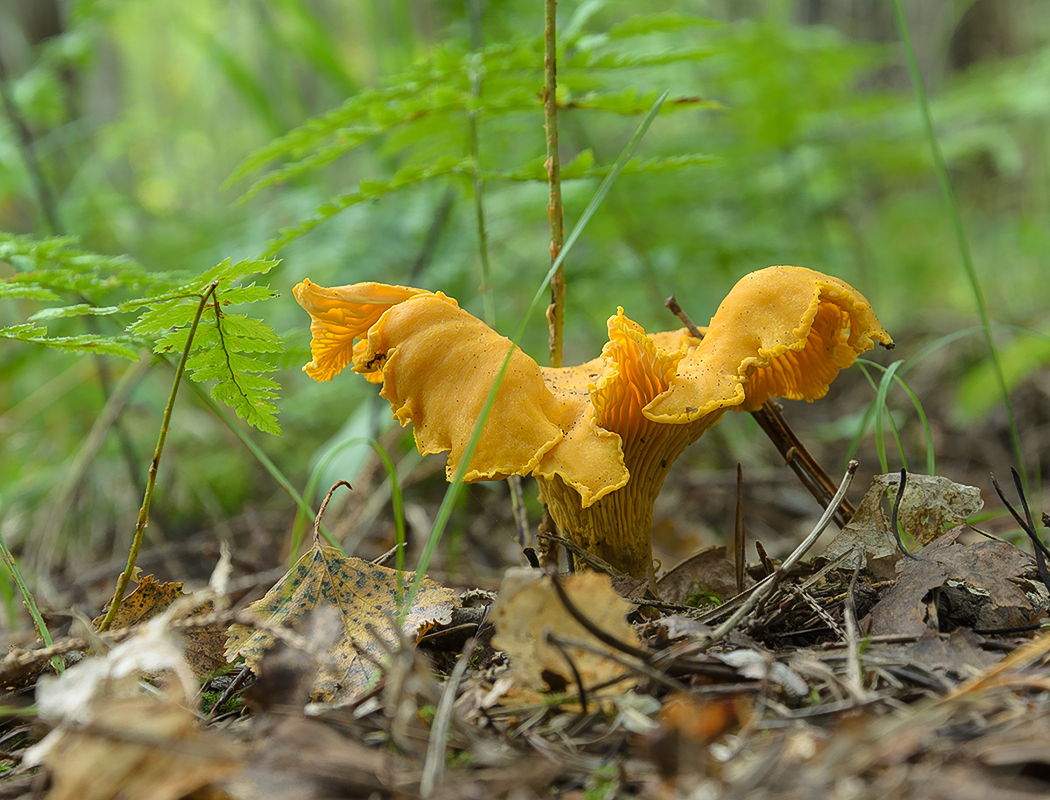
(367,598)
(528,607)
(140,747)
(83,696)
(930,505)
(73,696)
(867,541)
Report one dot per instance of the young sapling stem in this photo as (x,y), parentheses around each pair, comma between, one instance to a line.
(143,519)
(555,210)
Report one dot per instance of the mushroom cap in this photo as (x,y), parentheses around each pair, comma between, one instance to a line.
(438,363)
(781,332)
(341,314)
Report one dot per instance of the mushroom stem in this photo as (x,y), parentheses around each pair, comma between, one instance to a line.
(618,527)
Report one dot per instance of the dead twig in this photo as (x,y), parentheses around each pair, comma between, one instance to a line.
(577,553)
(739,533)
(324,505)
(1027,525)
(231,690)
(642,666)
(521,516)
(550,638)
(761,591)
(854,671)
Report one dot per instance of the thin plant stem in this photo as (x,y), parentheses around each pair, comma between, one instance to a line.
(45,199)
(263,459)
(487,300)
(555,210)
(151,482)
(456,484)
(960,236)
(29,602)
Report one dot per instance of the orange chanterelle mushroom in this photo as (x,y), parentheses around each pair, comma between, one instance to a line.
(600,437)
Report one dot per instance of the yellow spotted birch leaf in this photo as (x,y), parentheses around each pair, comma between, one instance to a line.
(203,646)
(150,598)
(366,597)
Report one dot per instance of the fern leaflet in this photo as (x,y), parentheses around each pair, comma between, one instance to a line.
(225,344)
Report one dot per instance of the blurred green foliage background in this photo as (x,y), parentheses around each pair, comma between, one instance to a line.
(792,136)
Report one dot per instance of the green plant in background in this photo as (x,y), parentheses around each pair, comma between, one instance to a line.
(423,116)
(50,269)
(165,312)
(810,152)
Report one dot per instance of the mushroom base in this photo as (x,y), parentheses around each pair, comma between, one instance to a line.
(618,527)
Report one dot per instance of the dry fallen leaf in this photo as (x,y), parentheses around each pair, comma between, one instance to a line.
(149,599)
(867,540)
(974,581)
(958,655)
(110,738)
(204,646)
(710,571)
(528,607)
(929,506)
(139,747)
(366,596)
(932,504)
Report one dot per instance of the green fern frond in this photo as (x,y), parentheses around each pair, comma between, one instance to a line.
(665,22)
(222,349)
(247,294)
(26,292)
(222,339)
(122,346)
(55,266)
(371,190)
(612,60)
(372,111)
(669,164)
(434,100)
(226,270)
(583,167)
(632,102)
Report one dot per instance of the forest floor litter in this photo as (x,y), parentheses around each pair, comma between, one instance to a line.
(861,671)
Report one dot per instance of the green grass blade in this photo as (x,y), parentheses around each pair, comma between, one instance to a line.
(881,413)
(931,462)
(456,485)
(960,236)
(30,602)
